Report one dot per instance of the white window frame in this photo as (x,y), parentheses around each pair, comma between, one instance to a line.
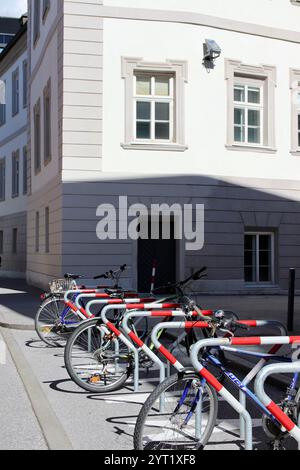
(131,67)
(257,234)
(247,106)
(47,123)
(295,110)
(153,99)
(266,75)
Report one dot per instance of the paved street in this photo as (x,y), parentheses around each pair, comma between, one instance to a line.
(84,421)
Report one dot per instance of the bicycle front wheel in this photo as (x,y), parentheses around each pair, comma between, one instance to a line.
(97,361)
(180,414)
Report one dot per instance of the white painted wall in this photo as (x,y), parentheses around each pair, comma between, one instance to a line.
(12,126)
(275,13)
(205,99)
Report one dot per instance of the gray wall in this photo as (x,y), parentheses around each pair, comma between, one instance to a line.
(13,264)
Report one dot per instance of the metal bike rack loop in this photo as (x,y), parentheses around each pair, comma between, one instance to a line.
(272,369)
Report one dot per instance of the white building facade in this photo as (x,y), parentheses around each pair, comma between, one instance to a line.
(13,156)
(121,104)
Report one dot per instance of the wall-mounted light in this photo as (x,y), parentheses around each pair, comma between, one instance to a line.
(211,52)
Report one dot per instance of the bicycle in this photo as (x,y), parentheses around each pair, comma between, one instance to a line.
(96,346)
(191,395)
(55,319)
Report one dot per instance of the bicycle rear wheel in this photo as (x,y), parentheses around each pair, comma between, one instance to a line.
(184,422)
(48,325)
(97,362)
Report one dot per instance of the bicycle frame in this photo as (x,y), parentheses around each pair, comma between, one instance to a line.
(272,409)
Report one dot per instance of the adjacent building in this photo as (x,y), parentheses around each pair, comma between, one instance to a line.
(120,103)
(8,28)
(13,154)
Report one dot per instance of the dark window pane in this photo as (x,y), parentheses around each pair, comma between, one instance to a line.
(249,242)
(239,134)
(162,130)
(143,130)
(264,258)
(162,111)
(239,116)
(264,274)
(250,275)
(249,258)
(264,242)
(143,110)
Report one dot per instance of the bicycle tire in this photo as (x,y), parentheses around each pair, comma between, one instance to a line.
(71,369)
(157,393)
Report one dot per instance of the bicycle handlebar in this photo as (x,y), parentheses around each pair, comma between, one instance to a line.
(112,274)
(177,285)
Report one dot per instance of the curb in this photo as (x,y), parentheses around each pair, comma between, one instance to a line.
(11,326)
(52,430)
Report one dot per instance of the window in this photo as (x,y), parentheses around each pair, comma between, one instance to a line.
(25,81)
(259,257)
(37,137)
(46,8)
(2,103)
(2,179)
(47,123)
(15,241)
(25,174)
(37,232)
(15,173)
(36,20)
(47,228)
(250,107)
(1,242)
(154,102)
(15,92)
(295,111)
(154,107)
(248,112)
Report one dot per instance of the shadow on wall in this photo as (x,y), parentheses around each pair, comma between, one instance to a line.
(232,207)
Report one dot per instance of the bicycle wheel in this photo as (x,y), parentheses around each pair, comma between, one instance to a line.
(94,362)
(48,323)
(186,420)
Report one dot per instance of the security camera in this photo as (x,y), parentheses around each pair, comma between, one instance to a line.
(211,52)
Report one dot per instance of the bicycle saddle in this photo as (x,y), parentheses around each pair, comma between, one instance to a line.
(72,276)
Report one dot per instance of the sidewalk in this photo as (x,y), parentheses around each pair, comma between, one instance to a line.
(18,303)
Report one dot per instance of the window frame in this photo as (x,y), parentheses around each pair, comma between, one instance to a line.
(265,75)
(25,170)
(37,232)
(15,173)
(246,106)
(47,123)
(36,19)
(46,8)
(47,230)
(25,82)
(272,267)
(15,241)
(3,107)
(295,111)
(37,137)
(153,99)
(2,179)
(179,69)
(15,92)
